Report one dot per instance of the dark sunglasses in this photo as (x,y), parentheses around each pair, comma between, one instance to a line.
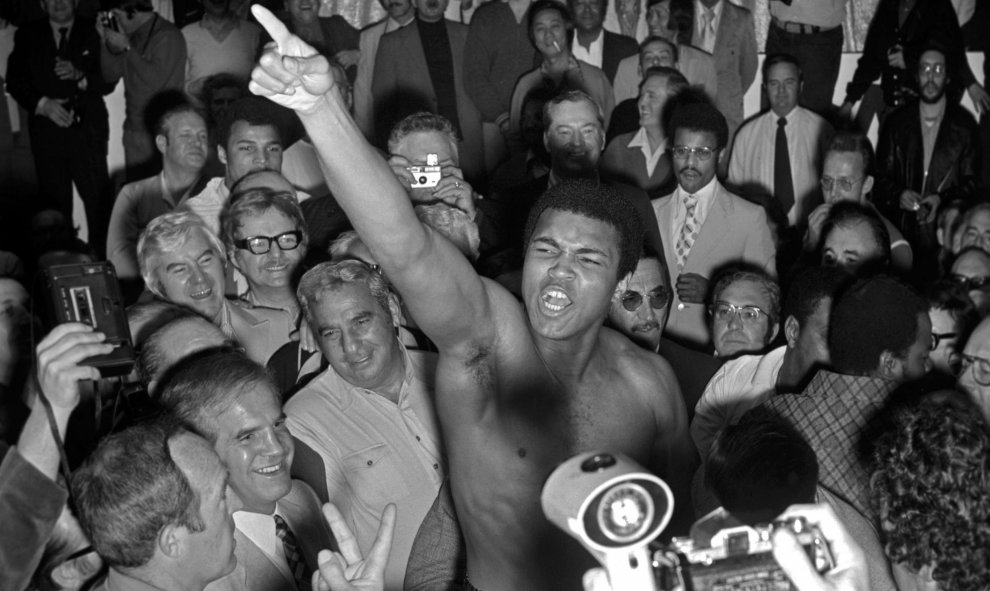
(969,283)
(632,300)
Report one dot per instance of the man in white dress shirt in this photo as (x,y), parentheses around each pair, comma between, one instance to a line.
(780,152)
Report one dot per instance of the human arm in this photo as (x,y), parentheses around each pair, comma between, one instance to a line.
(873,60)
(816,219)
(709,416)
(851,570)
(441,289)
(122,235)
(692,288)
(348,570)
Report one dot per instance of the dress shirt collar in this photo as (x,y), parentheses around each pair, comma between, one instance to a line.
(594,54)
(641,141)
(699,10)
(705,195)
(57,27)
(259,528)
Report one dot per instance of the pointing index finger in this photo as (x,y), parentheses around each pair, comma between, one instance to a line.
(275,28)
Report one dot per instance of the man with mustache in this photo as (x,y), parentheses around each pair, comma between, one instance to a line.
(181,138)
(704,227)
(928,153)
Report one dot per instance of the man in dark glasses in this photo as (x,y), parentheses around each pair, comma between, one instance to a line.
(971,272)
(641,303)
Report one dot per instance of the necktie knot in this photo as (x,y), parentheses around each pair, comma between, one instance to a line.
(63,38)
(782,122)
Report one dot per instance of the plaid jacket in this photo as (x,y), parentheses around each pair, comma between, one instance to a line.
(836,414)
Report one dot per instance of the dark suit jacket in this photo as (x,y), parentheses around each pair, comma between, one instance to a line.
(952,173)
(735,60)
(616,48)
(31,75)
(401,86)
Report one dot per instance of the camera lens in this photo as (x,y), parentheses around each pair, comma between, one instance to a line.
(421,180)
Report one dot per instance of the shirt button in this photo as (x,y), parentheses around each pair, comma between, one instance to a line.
(369,462)
(436,466)
(417,438)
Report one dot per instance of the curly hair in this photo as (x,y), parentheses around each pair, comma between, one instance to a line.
(931,487)
(598,202)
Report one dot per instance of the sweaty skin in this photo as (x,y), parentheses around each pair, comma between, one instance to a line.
(518,389)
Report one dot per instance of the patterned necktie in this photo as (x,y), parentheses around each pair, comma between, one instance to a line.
(783,184)
(708,33)
(297,566)
(689,231)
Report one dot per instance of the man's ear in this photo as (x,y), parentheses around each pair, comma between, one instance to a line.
(171,541)
(867,184)
(232,260)
(395,310)
(890,366)
(791,330)
(222,154)
(161,142)
(773,333)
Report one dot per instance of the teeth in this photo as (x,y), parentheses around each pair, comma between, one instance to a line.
(202,294)
(270,469)
(555,299)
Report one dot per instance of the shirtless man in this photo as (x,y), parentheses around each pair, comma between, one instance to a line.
(519,388)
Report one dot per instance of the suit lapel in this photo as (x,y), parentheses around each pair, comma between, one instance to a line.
(714,229)
(664,208)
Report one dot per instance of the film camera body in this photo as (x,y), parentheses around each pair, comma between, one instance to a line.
(616,510)
(426,177)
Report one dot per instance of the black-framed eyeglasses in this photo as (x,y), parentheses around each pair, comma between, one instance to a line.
(845,184)
(938,337)
(969,283)
(262,244)
(683,152)
(722,310)
(632,300)
(981,368)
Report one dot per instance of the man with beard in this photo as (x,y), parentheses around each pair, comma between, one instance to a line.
(704,227)
(520,387)
(928,154)
(574,135)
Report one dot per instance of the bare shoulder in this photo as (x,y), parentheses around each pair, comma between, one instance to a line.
(648,372)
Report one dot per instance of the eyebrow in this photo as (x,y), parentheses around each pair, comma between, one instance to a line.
(579,250)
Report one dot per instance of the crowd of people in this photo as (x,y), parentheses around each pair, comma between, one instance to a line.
(380,283)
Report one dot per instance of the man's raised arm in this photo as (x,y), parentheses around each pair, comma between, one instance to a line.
(439,286)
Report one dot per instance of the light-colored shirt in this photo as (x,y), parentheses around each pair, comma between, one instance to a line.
(705,198)
(826,14)
(592,55)
(751,169)
(375,452)
(208,203)
(643,143)
(260,529)
(206,56)
(739,385)
(706,41)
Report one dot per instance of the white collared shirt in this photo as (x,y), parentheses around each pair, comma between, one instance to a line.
(592,55)
(708,44)
(643,143)
(705,198)
(260,529)
(55,31)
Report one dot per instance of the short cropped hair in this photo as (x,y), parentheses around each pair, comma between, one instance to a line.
(332,276)
(253,110)
(598,202)
(874,315)
(130,488)
(753,275)
(255,202)
(809,288)
(145,318)
(542,5)
(168,233)
(758,469)
(853,141)
(203,385)
(422,121)
(152,359)
(781,58)
(658,39)
(929,485)
(848,214)
(571,96)
(700,117)
(674,80)
(165,119)
(953,299)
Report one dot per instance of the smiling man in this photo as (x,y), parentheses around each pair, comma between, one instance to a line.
(519,386)
(365,428)
(233,403)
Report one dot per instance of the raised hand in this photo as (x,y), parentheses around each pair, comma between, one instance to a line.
(347,570)
(59,357)
(290,72)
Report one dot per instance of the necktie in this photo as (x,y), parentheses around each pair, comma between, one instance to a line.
(708,34)
(63,41)
(783,185)
(689,231)
(297,566)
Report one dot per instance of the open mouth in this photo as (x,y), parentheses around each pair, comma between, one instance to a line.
(555,299)
(277,268)
(270,470)
(202,295)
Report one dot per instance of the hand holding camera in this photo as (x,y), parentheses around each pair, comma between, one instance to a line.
(433,183)
(60,357)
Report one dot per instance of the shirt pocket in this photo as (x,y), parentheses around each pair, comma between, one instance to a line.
(374,476)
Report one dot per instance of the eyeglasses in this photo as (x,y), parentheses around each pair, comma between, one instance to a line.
(843,183)
(263,244)
(929,68)
(632,300)
(724,311)
(969,283)
(981,368)
(937,338)
(683,152)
